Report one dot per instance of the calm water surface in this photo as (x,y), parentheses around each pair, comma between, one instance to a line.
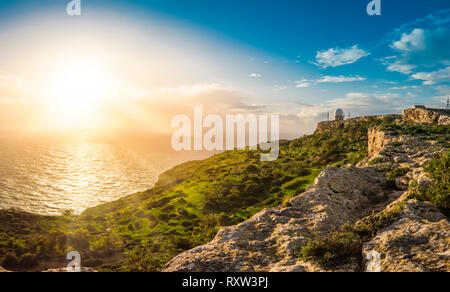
(51,174)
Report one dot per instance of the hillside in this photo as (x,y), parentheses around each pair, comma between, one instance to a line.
(193,201)
(386,204)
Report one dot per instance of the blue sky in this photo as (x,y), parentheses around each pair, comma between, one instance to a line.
(301,58)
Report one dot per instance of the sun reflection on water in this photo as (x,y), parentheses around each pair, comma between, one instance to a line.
(50,176)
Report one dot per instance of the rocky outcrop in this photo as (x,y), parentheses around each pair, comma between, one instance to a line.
(2,270)
(377,140)
(411,153)
(270,240)
(427,116)
(418,242)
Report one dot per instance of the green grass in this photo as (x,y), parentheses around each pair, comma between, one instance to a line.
(439,133)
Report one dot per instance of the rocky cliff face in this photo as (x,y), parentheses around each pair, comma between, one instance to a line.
(271,239)
(427,116)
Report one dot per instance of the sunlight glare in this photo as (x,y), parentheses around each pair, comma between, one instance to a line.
(77,90)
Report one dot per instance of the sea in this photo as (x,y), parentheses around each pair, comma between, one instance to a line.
(49,174)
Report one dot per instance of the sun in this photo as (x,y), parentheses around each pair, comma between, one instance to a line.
(77,90)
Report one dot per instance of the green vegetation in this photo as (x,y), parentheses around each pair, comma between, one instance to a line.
(185,209)
(392,173)
(439,190)
(339,247)
(434,132)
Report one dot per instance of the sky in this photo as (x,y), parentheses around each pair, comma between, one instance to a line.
(142,62)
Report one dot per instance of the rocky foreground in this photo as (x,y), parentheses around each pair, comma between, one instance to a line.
(419,240)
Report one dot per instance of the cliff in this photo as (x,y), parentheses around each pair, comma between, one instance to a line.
(428,116)
(387,229)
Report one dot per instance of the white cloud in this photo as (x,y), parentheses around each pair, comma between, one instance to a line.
(411,42)
(339,79)
(430,78)
(443,89)
(405,87)
(279,87)
(335,57)
(255,75)
(303,83)
(400,67)
(418,47)
(187,90)
(387,97)
(358,104)
(441,100)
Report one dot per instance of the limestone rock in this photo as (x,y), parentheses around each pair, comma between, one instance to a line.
(427,116)
(419,241)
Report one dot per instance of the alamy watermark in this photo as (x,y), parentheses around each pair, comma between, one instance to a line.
(74,8)
(374,8)
(373,261)
(223,135)
(75,262)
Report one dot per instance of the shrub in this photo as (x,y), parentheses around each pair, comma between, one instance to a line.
(28,261)
(147,259)
(207,228)
(80,239)
(439,191)
(106,244)
(294,184)
(396,173)
(275,189)
(335,248)
(332,250)
(10,261)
